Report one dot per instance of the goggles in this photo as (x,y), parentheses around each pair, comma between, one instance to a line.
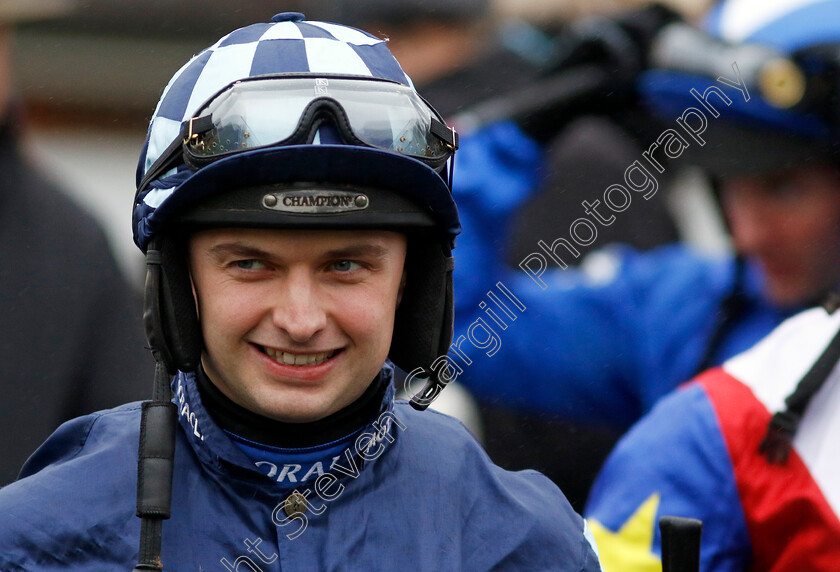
(272,111)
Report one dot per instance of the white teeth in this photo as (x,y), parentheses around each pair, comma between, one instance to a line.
(298,359)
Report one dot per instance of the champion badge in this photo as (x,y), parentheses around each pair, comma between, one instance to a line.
(316,202)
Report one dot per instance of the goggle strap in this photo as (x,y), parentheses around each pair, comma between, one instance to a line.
(444,132)
(169,159)
(197,125)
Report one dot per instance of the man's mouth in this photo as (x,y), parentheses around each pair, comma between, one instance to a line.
(287,358)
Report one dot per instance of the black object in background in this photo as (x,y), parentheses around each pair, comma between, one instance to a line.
(680,543)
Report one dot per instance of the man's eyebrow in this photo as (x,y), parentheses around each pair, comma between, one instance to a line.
(358,250)
(246,251)
(237,249)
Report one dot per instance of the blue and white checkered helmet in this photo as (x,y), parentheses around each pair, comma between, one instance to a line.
(396,175)
(288,45)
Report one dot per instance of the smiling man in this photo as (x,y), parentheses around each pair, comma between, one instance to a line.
(294,204)
(296,323)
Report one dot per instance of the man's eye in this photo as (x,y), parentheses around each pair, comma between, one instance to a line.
(346,266)
(249,264)
(785,192)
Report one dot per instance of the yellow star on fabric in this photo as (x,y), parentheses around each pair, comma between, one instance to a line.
(629,549)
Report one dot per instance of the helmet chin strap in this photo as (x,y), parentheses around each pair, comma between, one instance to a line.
(782,428)
(158,422)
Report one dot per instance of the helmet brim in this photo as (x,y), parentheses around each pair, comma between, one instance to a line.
(735,151)
(741,136)
(315,167)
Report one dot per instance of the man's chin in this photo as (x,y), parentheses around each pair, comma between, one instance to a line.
(304,409)
(786,294)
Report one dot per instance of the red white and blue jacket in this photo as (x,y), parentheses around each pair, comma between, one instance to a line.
(697,455)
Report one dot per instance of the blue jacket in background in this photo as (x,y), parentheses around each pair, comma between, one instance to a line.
(600,344)
(427,498)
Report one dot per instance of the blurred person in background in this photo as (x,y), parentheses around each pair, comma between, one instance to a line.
(70,340)
(751,448)
(600,346)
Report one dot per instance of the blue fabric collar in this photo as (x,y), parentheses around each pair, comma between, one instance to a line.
(216,447)
(294,466)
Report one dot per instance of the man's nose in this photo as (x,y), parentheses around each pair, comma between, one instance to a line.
(298,310)
(753,230)
(752,222)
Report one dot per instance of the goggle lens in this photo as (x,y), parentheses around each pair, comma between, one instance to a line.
(252,114)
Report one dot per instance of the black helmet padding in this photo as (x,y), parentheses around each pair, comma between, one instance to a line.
(170,318)
(424,321)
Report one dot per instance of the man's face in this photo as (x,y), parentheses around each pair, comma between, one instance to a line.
(789,223)
(296,323)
